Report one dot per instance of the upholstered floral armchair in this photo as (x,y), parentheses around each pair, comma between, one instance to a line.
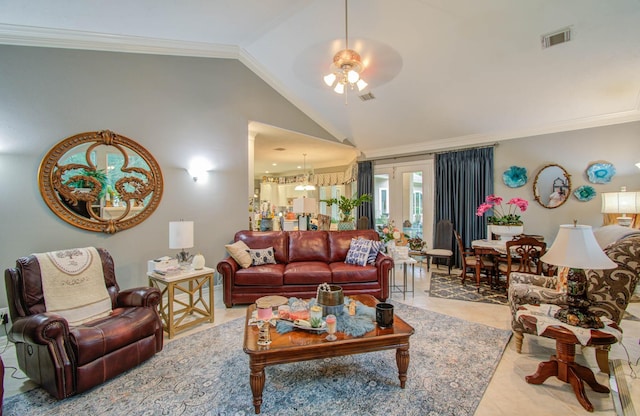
(608,290)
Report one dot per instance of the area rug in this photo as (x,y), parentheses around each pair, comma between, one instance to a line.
(450,287)
(207,373)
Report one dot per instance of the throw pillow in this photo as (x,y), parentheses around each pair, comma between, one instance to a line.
(262,256)
(358,251)
(240,253)
(376,246)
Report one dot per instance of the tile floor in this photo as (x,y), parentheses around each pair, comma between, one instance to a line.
(507,393)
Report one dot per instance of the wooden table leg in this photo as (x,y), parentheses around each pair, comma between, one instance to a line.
(256,380)
(564,367)
(402,359)
(478,268)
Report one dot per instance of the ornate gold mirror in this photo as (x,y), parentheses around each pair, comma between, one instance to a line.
(552,186)
(100,181)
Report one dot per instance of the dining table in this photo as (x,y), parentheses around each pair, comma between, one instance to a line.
(487,248)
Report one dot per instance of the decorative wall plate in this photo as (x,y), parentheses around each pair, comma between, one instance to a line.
(585,193)
(515,176)
(600,172)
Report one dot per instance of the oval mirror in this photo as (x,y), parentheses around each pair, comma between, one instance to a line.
(552,186)
(100,181)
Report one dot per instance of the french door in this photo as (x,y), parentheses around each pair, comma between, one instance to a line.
(404,194)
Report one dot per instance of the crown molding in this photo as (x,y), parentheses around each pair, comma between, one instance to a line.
(76,39)
(484,139)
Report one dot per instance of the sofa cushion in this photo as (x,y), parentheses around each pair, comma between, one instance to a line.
(262,256)
(358,252)
(340,241)
(96,339)
(308,246)
(240,253)
(265,275)
(306,273)
(263,239)
(350,273)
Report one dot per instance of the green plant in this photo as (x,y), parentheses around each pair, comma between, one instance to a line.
(346,205)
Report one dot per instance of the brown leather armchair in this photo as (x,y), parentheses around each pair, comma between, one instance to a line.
(68,360)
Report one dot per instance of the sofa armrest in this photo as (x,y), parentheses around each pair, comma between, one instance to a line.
(549,282)
(227,268)
(139,296)
(384,264)
(42,329)
(46,336)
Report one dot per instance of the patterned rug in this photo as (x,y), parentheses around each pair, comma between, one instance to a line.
(207,373)
(450,287)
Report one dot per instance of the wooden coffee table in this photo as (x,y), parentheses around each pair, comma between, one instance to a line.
(301,345)
(563,365)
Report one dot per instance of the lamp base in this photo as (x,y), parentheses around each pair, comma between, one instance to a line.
(184,258)
(578,317)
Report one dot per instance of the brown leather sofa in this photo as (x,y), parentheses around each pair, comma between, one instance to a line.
(304,259)
(69,360)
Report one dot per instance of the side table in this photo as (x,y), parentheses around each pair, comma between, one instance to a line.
(563,365)
(404,288)
(195,309)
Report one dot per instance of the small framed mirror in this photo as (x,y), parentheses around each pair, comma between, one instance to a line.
(100,181)
(552,186)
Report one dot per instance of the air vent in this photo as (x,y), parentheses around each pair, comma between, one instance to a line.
(366,97)
(556,38)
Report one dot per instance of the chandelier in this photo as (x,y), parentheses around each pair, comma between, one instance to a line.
(305,186)
(347,65)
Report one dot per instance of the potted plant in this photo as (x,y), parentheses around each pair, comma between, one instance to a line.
(346,206)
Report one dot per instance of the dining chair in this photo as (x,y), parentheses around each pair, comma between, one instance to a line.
(469,262)
(523,255)
(442,245)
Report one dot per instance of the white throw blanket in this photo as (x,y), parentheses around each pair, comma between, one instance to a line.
(73,284)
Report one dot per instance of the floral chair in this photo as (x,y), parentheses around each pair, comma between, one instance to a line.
(609,291)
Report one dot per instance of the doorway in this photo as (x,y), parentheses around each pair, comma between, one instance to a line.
(404,195)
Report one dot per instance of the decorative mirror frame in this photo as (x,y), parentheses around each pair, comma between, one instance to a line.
(536,192)
(133,189)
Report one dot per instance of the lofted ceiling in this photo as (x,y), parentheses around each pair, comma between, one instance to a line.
(444,73)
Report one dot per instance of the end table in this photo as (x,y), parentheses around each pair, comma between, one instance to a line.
(563,365)
(195,309)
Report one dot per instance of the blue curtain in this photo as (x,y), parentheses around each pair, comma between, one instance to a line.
(463,180)
(365,186)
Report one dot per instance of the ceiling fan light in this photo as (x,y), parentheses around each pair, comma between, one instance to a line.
(353,76)
(330,79)
(339,88)
(361,84)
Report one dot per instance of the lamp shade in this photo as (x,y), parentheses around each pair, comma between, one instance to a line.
(576,247)
(180,234)
(305,205)
(620,202)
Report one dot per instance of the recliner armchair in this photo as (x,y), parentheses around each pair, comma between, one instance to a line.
(68,360)
(609,291)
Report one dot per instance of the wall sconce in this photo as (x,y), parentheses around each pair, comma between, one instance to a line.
(199,170)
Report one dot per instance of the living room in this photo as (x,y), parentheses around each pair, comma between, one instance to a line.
(179,107)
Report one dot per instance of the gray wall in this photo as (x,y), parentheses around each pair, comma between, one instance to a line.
(575,151)
(180,107)
(176,107)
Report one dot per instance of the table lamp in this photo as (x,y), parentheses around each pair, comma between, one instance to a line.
(621,203)
(181,237)
(576,248)
(304,206)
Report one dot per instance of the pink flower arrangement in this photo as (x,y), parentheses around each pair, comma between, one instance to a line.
(499,217)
